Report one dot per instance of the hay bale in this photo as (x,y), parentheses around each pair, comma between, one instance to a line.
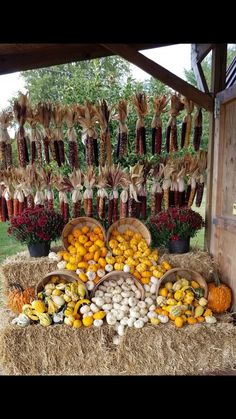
(198,261)
(161,350)
(24,270)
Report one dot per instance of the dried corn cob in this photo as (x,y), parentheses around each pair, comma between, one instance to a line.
(156,198)
(122,138)
(33,151)
(20,112)
(103,114)
(176,107)
(89,182)
(66,213)
(1,215)
(3,163)
(168,138)
(140,103)
(199,196)
(197,129)
(21,200)
(87,117)
(188,192)
(193,191)
(4,213)
(115,206)
(110,208)
(5,141)
(9,203)
(15,204)
(181,187)
(187,122)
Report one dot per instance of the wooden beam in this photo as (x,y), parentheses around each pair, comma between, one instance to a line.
(160,73)
(199,52)
(200,77)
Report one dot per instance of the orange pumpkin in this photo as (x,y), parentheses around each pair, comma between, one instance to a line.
(219,296)
(17,297)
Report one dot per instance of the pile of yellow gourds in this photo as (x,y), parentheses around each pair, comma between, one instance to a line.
(89,257)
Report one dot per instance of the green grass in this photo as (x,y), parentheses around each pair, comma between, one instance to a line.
(198,240)
(8,246)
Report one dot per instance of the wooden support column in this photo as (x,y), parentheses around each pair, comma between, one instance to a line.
(202,99)
(218,78)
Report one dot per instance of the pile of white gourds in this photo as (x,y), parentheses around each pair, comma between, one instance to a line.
(121,301)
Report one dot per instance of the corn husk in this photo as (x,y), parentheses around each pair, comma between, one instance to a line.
(187,122)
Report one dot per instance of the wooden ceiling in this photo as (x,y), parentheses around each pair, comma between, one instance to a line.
(19,57)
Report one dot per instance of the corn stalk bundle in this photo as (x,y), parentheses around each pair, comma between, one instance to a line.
(197,134)
(87,117)
(122,137)
(136,180)
(89,183)
(167,171)
(187,122)
(116,178)
(20,112)
(71,119)
(171,135)
(5,141)
(58,114)
(156,190)
(44,112)
(202,165)
(103,117)
(35,135)
(102,194)
(140,103)
(76,180)
(159,105)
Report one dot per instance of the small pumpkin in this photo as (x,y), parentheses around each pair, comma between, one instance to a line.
(219,295)
(17,297)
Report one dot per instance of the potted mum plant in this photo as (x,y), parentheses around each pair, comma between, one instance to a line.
(174,227)
(37,228)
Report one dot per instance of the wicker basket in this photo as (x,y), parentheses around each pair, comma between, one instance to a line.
(80,222)
(65,274)
(117,275)
(132,224)
(184,273)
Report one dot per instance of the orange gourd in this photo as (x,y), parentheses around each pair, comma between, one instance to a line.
(17,297)
(219,296)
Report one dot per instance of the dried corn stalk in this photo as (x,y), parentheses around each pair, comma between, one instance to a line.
(102,194)
(71,119)
(76,179)
(116,178)
(175,108)
(181,187)
(159,105)
(58,114)
(103,113)
(5,141)
(44,112)
(140,103)
(87,117)
(197,135)
(20,111)
(187,122)
(89,183)
(167,171)
(122,137)
(136,180)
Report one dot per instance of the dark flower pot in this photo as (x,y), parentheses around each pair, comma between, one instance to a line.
(179,246)
(38,250)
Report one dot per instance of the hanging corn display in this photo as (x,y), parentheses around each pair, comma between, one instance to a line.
(20,112)
(5,141)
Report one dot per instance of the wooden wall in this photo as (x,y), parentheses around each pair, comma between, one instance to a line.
(223,236)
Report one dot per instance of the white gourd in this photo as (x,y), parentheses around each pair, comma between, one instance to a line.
(90,284)
(210,319)
(98,323)
(61,265)
(93,308)
(85,309)
(121,330)
(138,324)
(163,319)
(111,320)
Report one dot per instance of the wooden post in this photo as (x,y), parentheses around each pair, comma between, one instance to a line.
(218,78)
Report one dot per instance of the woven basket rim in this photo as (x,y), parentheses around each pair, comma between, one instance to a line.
(66,273)
(77,221)
(110,275)
(195,273)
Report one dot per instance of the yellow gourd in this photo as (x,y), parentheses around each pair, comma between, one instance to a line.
(179,321)
(38,306)
(87,321)
(99,315)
